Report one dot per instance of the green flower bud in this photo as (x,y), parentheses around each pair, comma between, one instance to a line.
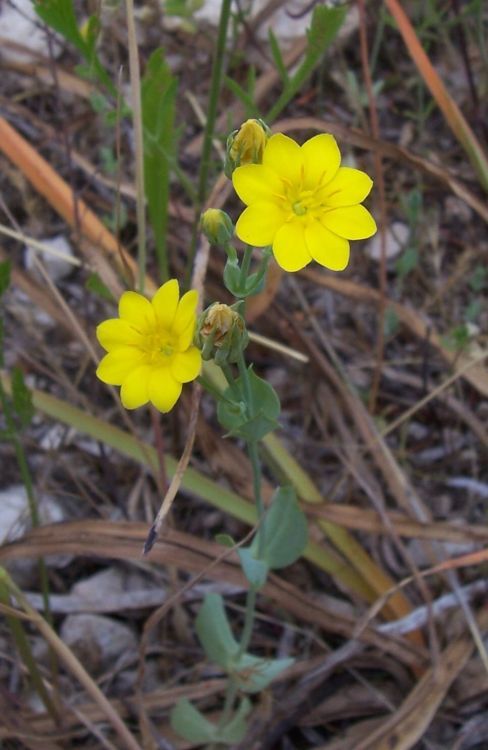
(221,333)
(246,145)
(217,226)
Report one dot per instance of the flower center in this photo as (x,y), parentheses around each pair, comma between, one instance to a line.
(159,346)
(299,208)
(306,203)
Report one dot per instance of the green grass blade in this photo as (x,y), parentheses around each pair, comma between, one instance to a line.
(158,96)
(324,28)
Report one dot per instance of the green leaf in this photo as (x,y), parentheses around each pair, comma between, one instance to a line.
(278,58)
(473,311)
(21,398)
(60,16)
(325,25)
(407,262)
(286,530)
(5,267)
(158,96)
(214,632)
(254,673)
(225,539)
(251,110)
(235,730)
(478,279)
(255,570)
(2,334)
(264,410)
(391,322)
(189,723)
(95,284)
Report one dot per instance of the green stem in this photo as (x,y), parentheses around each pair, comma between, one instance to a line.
(135,81)
(33,510)
(25,652)
(243,372)
(246,263)
(213,390)
(213,98)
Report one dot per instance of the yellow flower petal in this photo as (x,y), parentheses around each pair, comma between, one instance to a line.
(134,391)
(137,310)
(348,187)
(321,160)
(284,156)
(185,338)
(185,312)
(165,302)
(289,247)
(327,248)
(116,365)
(163,390)
(255,183)
(116,332)
(258,224)
(186,366)
(351,222)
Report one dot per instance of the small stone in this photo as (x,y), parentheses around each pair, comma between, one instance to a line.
(97,641)
(396,238)
(58,267)
(20,23)
(15,522)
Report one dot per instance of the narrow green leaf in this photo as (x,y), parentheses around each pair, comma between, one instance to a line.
(158,95)
(214,632)
(286,530)
(325,25)
(21,398)
(189,723)
(60,16)
(278,58)
(2,333)
(95,284)
(251,110)
(5,267)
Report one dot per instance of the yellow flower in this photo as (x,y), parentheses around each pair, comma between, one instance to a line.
(303,203)
(150,347)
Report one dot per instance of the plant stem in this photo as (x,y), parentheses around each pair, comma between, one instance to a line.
(246,262)
(215,85)
(135,82)
(43,574)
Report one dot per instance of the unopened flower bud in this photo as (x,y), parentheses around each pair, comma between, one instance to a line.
(217,226)
(246,145)
(221,333)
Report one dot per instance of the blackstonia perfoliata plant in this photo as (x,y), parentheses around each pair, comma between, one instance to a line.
(301,206)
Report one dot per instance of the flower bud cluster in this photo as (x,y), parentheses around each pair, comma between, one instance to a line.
(221,333)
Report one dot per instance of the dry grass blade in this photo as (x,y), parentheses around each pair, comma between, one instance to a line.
(471,369)
(450,110)
(123,541)
(409,723)
(366,519)
(58,193)
(76,668)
